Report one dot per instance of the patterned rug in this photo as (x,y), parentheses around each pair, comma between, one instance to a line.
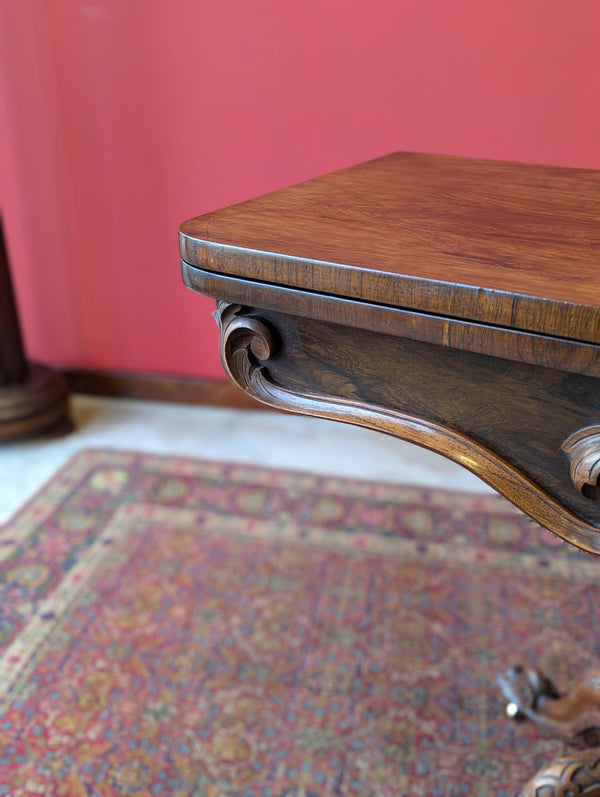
(179,627)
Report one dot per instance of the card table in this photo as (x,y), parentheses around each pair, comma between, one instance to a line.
(450,302)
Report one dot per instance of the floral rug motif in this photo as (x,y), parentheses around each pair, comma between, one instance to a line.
(179,627)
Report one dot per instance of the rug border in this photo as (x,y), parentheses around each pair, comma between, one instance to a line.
(492,502)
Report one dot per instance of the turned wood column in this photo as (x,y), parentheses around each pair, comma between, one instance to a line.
(33,399)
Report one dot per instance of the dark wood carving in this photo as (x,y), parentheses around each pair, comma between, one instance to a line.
(568,776)
(583,448)
(533,696)
(33,398)
(530,694)
(246,342)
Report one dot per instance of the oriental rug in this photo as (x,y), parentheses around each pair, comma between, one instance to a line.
(179,627)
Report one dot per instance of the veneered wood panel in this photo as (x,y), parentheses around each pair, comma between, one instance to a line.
(507,244)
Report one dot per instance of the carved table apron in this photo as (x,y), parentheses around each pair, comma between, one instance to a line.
(451,302)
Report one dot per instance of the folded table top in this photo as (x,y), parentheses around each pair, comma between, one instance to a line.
(504,244)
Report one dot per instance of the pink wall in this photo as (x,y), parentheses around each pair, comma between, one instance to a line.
(120,119)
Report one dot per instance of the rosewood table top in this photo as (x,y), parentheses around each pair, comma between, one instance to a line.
(510,244)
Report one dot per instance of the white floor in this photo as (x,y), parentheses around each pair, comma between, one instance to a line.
(266,438)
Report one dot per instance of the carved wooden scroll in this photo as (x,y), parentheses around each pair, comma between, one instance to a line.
(583,449)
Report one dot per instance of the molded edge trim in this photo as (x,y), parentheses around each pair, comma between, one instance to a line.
(543,350)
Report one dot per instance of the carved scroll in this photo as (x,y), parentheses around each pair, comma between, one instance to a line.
(248,343)
(583,448)
(568,776)
(245,343)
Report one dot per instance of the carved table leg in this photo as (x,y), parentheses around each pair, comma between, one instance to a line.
(533,696)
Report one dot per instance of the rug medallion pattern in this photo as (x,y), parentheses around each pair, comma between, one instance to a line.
(180,627)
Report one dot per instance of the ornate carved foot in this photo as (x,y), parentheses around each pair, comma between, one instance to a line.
(530,694)
(533,696)
(568,776)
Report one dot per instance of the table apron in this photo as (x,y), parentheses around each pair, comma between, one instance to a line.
(512,344)
(506,421)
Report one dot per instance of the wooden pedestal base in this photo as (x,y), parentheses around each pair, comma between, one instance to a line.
(533,696)
(37,407)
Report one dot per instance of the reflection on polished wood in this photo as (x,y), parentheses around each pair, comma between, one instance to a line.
(451,302)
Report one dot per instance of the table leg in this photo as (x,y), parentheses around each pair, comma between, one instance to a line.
(532,696)
(568,776)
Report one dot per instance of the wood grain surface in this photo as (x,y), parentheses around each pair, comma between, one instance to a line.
(505,244)
(509,344)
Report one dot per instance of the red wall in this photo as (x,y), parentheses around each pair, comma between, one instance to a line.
(122,118)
